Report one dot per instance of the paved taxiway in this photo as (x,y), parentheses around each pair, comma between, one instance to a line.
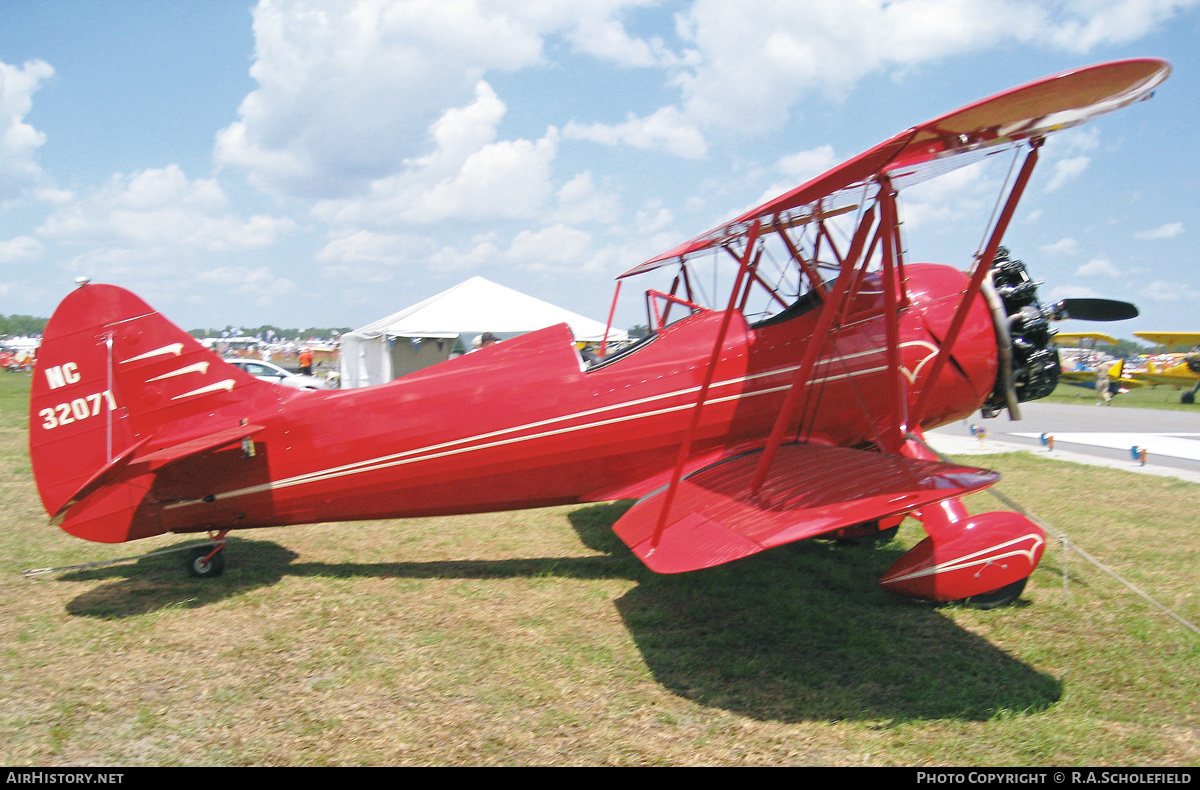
(1100,435)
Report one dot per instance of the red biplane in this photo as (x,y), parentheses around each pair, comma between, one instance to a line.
(790,407)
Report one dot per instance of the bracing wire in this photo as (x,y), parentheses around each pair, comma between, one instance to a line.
(999,199)
(1071,545)
(30,573)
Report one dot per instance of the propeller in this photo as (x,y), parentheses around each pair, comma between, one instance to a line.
(1029,366)
(1094,310)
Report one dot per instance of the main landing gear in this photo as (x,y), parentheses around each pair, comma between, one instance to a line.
(877,533)
(996,599)
(982,560)
(208,562)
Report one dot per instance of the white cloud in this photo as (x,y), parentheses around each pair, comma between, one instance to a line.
(366,247)
(508,179)
(554,247)
(1067,157)
(347,90)
(1098,267)
(797,169)
(369,257)
(161,208)
(1065,170)
(1066,246)
(259,282)
(1082,25)
(1166,291)
(745,65)
(468,177)
(1076,141)
(482,253)
(18,140)
(21,250)
(1168,231)
(666,128)
(580,201)
(599,33)
(806,165)
(1070,291)
(758,57)
(652,218)
(949,199)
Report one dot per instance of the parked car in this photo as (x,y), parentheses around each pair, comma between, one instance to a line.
(269,371)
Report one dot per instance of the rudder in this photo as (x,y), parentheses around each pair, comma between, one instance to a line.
(113,380)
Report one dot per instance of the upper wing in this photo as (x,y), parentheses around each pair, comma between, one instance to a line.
(1178,376)
(810,491)
(1171,338)
(785,493)
(947,143)
(1075,337)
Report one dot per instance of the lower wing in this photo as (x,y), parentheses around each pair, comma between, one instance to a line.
(811,490)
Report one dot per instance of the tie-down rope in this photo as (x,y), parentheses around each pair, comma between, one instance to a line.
(1067,544)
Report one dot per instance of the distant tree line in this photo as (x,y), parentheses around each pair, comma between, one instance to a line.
(1124,349)
(21,325)
(1130,348)
(272,333)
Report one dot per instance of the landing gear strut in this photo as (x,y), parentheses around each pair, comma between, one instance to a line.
(871,533)
(207,562)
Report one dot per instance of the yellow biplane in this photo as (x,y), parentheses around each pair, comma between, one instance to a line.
(1080,371)
(1175,369)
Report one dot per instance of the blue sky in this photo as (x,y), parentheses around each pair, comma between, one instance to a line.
(307,163)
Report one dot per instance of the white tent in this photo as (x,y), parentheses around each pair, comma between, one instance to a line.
(427,332)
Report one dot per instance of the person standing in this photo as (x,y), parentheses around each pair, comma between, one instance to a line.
(306,361)
(1103,395)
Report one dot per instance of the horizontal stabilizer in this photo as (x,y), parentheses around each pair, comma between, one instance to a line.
(210,441)
(132,457)
(100,477)
(811,490)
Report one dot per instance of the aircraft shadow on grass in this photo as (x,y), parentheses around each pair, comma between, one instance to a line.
(794,634)
(802,632)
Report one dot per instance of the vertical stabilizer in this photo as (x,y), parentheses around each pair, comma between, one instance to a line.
(115,380)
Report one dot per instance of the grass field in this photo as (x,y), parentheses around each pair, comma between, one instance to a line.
(535,638)
(1161,397)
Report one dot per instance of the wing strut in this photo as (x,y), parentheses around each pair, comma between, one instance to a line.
(895,298)
(814,277)
(983,265)
(685,447)
(608,327)
(799,386)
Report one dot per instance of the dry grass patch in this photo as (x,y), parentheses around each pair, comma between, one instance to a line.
(535,638)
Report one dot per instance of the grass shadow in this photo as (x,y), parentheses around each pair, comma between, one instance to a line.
(160,582)
(798,633)
(803,633)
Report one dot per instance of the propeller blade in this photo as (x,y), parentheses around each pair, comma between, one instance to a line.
(1095,310)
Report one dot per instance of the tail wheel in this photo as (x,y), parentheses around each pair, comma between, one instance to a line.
(201,565)
(997,598)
